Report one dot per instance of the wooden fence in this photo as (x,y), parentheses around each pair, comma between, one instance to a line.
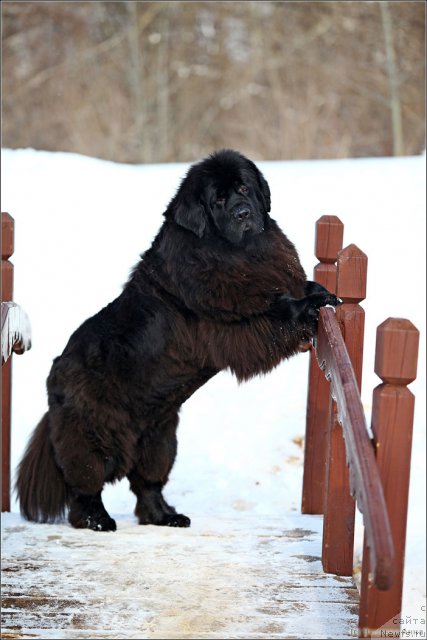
(343,465)
(15,337)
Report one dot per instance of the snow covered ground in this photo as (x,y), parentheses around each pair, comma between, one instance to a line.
(80,225)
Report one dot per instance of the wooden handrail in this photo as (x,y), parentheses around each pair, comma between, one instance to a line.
(365,482)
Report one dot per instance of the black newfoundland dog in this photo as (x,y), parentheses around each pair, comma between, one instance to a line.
(220,288)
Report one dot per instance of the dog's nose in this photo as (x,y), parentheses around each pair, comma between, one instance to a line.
(242,214)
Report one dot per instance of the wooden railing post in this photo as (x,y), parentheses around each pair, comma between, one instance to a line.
(7,247)
(338,522)
(329,238)
(392,420)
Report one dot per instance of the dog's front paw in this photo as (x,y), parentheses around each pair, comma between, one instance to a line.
(323,299)
(313,305)
(333,300)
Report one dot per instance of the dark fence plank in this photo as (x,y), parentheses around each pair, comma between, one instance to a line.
(396,359)
(15,333)
(329,239)
(7,247)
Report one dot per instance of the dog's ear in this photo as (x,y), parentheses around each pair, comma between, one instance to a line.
(186,208)
(265,191)
(190,215)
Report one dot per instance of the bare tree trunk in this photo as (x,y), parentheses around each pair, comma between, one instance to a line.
(163,146)
(393,82)
(136,78)
(136,83)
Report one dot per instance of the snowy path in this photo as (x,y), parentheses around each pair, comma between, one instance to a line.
(240,577)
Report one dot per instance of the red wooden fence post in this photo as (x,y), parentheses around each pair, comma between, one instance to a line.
(7,247)
(392,420)
(338,522)
(329,238)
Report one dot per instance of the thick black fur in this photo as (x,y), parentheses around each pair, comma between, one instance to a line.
(221,287)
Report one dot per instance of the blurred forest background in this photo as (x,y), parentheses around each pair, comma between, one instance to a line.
(171,81)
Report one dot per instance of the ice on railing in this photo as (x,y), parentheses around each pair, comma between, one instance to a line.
(15,328)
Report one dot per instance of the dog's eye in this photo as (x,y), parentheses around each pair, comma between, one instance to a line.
(243,189)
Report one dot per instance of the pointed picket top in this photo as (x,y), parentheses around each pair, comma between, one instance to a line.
(329,238)
(7,231)
(352,269)
(396,354)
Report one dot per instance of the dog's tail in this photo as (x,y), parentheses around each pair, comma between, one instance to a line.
(40,486)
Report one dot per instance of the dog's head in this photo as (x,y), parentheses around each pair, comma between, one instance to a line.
(225,194)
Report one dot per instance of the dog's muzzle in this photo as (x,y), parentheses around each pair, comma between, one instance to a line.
(247,219)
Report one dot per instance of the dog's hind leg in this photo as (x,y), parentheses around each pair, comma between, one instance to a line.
(84,472)
(88,512)
(157,451)
(86,481)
